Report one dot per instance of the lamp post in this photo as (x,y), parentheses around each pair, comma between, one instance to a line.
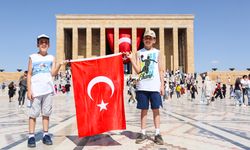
(19,70)
(231,69)
(214,69)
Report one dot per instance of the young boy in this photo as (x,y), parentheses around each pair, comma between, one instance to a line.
(150,87)
(41,68)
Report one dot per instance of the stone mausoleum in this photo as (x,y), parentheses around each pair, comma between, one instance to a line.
(84,36)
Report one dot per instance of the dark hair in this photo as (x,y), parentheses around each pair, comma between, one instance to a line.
(237,81)
(244,76)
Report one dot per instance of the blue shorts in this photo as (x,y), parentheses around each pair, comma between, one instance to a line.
(144,97)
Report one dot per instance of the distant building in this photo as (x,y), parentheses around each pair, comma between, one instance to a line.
(83,36)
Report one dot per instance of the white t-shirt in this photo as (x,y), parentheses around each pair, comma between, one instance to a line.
(149,77)
(208,88)
(244,83)
(41,80)
(248,83)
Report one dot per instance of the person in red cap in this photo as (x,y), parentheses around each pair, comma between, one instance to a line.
(41,68)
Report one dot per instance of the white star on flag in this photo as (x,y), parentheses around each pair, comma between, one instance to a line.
(103,106)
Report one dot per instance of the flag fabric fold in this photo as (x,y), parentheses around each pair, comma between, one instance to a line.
(98,91)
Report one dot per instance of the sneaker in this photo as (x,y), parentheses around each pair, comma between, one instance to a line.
(32,142)
(158,139)
(47,140)
(140,139)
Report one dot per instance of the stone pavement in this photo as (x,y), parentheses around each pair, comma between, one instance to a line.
(184,125)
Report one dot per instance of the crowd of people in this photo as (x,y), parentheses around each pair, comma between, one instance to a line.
(62,86)
(186,86)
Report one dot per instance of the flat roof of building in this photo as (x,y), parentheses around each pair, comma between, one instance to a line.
(125,16)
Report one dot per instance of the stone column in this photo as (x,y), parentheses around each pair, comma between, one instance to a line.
(134,44)
(133,40)
(103,42)
(75,43)
(190,50)
(88,42)
(175,49)
(162,48)
(116,40)
(60,53)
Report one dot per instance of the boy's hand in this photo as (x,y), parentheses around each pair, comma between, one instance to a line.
(128,55)
(29,96)
(64,62)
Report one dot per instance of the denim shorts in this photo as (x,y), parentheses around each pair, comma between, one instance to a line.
(144,97)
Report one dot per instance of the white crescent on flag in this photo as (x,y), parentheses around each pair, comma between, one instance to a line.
(97,80)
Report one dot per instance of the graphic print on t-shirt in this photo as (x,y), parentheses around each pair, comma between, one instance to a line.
(147,65)
(41,67)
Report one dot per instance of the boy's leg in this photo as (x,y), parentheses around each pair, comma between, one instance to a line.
(46,112)
(45,123)
(156,115)
(34,112)
(144,113)
(142,137)
(32,124)
(158,139)
(143,104)
(31,140)
(46,138)
(156,102)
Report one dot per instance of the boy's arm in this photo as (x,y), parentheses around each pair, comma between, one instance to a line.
(57,66)
(134,61)
(29,74)
(161,73)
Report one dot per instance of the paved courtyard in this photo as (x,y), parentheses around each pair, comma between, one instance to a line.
(185,125)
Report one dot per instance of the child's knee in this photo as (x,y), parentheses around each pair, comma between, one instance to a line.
(47,111)
(34,113)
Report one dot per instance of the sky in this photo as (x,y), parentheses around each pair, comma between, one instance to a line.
(221,27)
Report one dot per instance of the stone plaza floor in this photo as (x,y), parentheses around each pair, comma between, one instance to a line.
(185,125)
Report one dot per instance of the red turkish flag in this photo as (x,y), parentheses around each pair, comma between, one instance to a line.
(125,42)
(98,91)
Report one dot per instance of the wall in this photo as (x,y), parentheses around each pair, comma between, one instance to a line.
(224,75)
(9,76)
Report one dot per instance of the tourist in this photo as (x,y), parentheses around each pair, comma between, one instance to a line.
(41,68)
(150,86)
(22,89)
